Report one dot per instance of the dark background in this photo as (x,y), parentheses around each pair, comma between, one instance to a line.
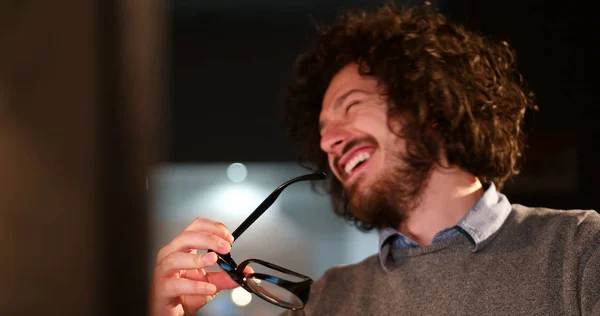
(84,116)
(230,64)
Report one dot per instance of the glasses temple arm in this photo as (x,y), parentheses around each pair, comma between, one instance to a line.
(256,214)
(269,201)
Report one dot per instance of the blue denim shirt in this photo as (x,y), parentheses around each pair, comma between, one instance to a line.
(480,224)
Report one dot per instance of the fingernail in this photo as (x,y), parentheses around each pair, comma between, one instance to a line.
(211,288)
(209,257)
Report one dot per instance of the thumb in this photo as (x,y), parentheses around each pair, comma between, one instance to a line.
(221,280)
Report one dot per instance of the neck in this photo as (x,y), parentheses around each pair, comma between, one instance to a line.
(449,195)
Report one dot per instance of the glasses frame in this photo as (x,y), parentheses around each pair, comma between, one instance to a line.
(300,289)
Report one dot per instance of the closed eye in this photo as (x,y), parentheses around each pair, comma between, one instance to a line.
(351,104)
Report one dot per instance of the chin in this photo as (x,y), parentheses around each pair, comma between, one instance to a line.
(359,185)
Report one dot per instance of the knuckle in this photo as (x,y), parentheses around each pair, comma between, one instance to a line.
(201,287)
(185,236)
(169,288)
(198,261)
(201,221)
(215,240)
(224,230)
(209,258)
(178,238)
(160,254)
(169,260)
(165,265)
(193,223)
(221,225)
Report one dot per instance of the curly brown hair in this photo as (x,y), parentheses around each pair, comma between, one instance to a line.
(434,72)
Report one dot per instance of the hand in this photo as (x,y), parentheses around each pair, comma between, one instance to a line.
(180,284)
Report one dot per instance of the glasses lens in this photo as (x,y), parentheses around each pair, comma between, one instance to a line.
(268,288)
(274,293)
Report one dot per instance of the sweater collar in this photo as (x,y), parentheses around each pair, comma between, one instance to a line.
(480,224)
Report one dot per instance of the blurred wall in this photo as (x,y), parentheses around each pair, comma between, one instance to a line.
(80,103)
(48,233)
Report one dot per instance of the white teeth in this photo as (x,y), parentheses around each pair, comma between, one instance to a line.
(355,161)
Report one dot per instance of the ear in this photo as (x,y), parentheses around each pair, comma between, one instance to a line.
(396,121)
(433,132)
(433,129)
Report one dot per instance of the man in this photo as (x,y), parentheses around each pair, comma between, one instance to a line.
(419,122)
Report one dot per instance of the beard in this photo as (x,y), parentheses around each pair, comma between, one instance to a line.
(390,198)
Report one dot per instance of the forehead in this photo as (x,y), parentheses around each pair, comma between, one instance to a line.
(346,82)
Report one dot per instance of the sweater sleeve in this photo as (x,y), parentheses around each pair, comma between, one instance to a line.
(318,293)
(590,265)
(293,313)
(315,293)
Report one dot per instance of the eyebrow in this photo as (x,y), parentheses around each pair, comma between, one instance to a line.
(340,100)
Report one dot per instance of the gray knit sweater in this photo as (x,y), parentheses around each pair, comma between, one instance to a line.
(541,262)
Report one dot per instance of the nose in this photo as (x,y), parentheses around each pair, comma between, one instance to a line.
(333,138)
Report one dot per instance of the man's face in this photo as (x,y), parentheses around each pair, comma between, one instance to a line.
(354,129)
(363,153)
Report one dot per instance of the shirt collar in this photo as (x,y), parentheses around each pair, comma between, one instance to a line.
(481,223)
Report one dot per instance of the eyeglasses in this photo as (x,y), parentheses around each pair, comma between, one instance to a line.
(280,291)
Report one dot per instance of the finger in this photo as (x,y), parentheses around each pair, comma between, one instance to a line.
(210,226)
(220,279)
(189,240)
(192,303)
(248,270)
(177,261)
(175,287)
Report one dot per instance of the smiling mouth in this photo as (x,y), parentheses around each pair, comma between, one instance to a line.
(356,161)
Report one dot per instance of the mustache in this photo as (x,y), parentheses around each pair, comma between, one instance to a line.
(352,143)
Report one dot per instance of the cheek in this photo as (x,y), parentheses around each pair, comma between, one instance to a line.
(378,161)
(332,167)
(395,152)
